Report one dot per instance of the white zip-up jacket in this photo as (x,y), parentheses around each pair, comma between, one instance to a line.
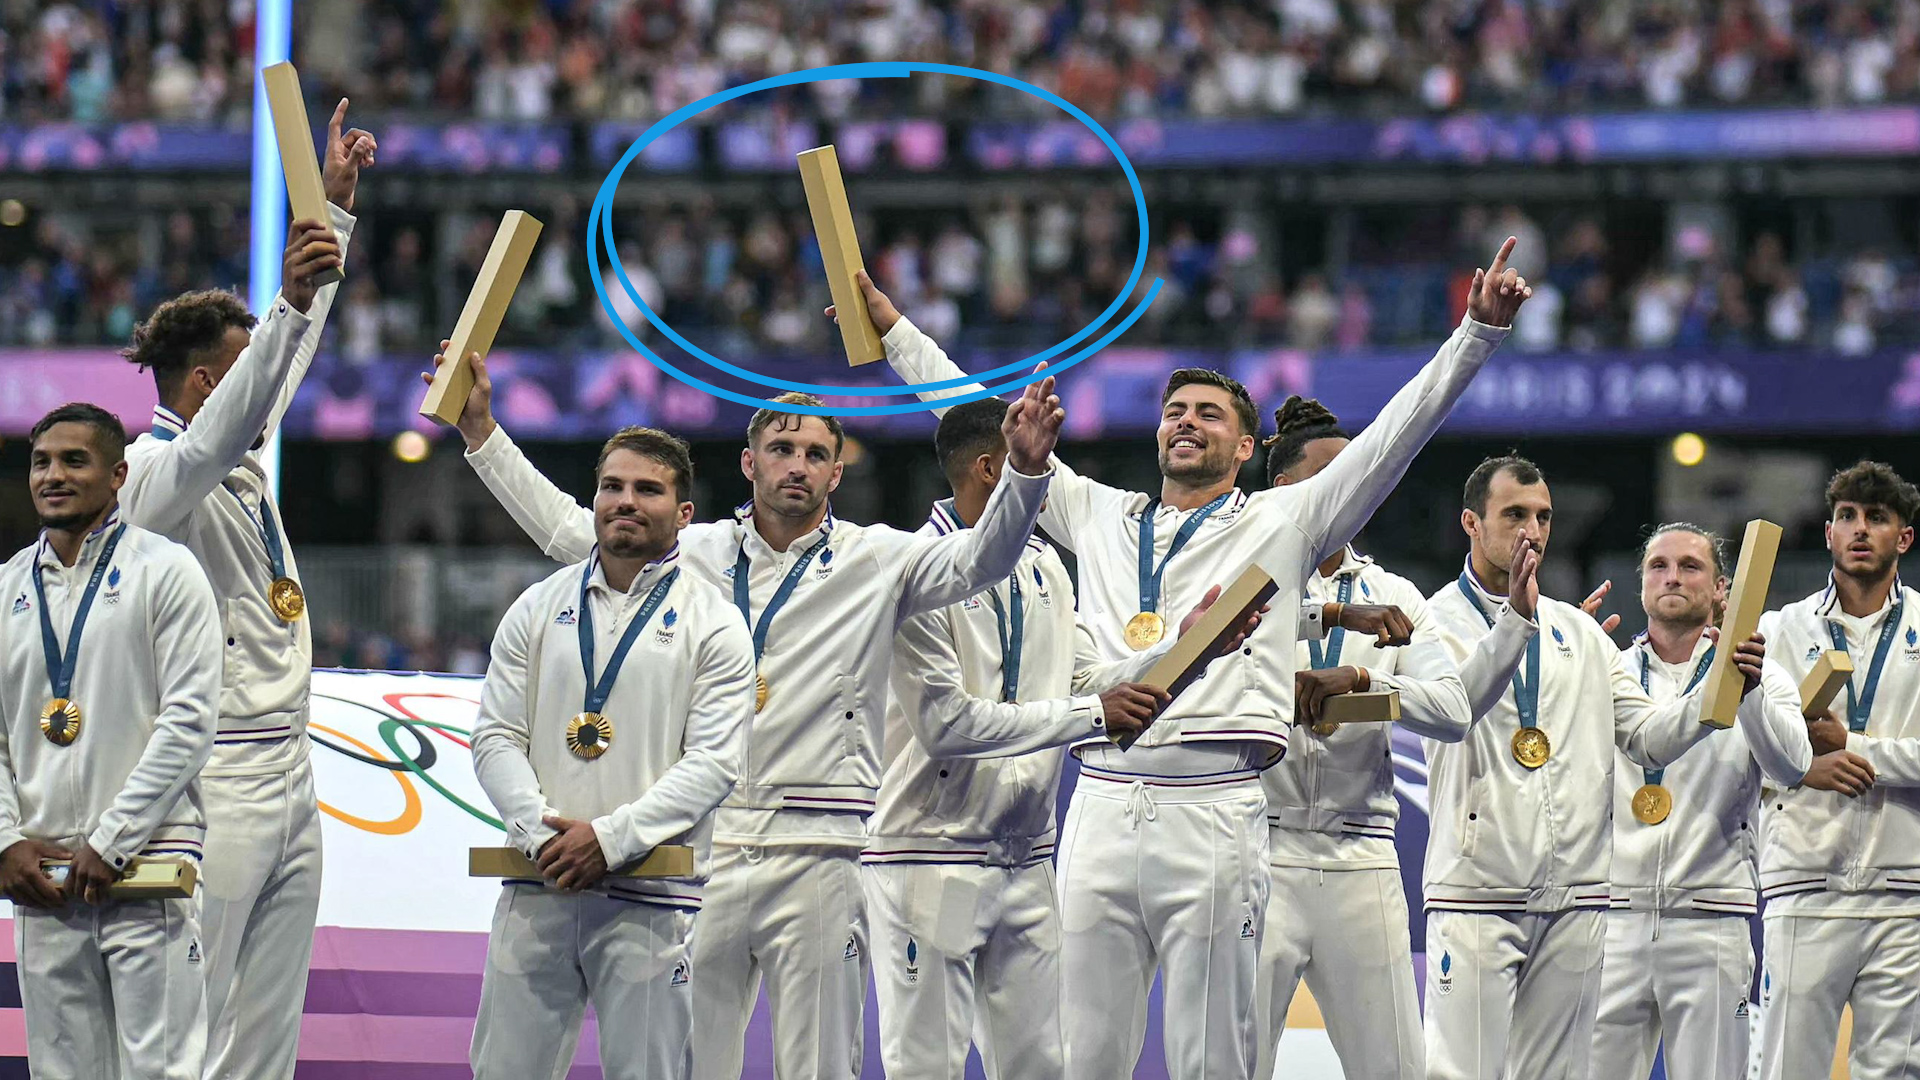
(202,485)
(816,746)
(146,681)
(972,778)
(1340,786)
(1701,858)
(679,709)
(1503,837)
(1245,698)
(1822,853)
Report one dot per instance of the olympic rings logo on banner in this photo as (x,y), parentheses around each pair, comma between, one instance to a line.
(600,232)
(406,767)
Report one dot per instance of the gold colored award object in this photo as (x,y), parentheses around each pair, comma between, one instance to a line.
(588,735)
(60,721)
(1145,630)
(287,599)
(1531,748)
(1651,804)
(761,692)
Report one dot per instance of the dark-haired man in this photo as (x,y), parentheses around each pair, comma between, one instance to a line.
(1337,916)
(224,384)
(1519,842)
(109,678)
(823,598)
(612,721)
(1679,955)
(1841,875)
(1164,862)
(959,860)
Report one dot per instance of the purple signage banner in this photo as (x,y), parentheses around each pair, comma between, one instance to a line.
(585,395)
(470,147)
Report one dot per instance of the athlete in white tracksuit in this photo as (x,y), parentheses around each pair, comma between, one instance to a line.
(1164,865)
(663,657)
(784,896)
(1679,956)
(110,989)
(1337,917)
(1518,856)
(1841,876)
(197,478)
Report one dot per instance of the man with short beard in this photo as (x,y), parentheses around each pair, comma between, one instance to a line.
(612,721)
(1519,831)
(1164,861)
(1679,956)
(823,598)
(109,682)
(1841,875)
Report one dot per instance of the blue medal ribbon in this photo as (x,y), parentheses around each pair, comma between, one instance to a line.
(1337,637)
(598,691)
(1150,576)
(60,668)
(1010,643)
(269,533)
(1526,693)
(1859,708)
(1646,685)
(743,601)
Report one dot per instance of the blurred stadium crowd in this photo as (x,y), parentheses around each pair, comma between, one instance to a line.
(526,59)
(1011,272)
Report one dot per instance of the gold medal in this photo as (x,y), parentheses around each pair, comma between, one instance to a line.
(1531,748)
(1651,804)
(761,692)
(588,735)
(286,599)
(1145,630)
(60,721)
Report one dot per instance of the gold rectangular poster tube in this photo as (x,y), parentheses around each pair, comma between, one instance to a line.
(1720,696)
(298,161)
(840,250)
(481,317)
(1829,675)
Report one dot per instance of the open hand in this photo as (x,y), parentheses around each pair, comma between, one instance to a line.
(1523,591)
(1847,773)
(1032,426)
(1591,605)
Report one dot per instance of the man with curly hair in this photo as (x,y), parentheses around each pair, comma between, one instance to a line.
(224,384)
(1840,874)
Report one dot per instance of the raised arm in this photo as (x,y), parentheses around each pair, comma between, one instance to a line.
(309,345)
(947,569)
(710,751)
(918,359)
(165,482)
(185,630)
(501,737)
(1332,506)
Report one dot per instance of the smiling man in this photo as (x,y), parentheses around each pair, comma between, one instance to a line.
(823,598)
(612,721)
(109,679)
(1841,874)
(1164,861)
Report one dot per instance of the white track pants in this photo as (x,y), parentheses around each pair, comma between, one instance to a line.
(795,916)
(966,954)
(1512,996)
(114,992)
(550,953)
(1159,875)
(260,894)
(1678,980)
(1814,967)
(1345,933)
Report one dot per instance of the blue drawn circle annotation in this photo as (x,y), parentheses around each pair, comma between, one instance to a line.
(600,231)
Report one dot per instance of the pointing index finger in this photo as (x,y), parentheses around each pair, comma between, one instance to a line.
(1500,260)
(333,125)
